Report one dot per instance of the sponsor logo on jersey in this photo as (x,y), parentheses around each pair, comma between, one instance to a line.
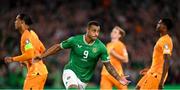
(79,46)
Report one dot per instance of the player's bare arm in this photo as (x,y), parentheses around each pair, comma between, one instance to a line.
(114,73)
(166,65)
(144,71)
(52,50)
(24,57)
(119,57)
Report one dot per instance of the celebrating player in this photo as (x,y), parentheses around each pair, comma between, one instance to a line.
(85,52)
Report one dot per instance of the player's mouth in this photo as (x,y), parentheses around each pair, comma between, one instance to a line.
(94,36)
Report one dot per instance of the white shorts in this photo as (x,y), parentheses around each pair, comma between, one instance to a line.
(70,78)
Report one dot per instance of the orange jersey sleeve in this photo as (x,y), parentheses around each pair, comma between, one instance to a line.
(167,46)
(27,47)
(40,47)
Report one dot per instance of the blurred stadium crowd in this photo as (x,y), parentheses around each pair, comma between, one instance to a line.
(56,20)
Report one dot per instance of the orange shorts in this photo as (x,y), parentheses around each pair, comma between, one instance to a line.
(149,81)
(107,82)
(35,82)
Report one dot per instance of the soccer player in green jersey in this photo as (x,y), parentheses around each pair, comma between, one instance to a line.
(85,53)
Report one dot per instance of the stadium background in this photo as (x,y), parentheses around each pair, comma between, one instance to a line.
(56,20)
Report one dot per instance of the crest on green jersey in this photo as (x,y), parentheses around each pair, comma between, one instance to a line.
(94,50)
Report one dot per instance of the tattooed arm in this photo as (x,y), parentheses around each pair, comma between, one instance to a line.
(114,73)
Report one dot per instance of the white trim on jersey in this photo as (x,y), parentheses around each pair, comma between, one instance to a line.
(106,60)
(61,45)
(86,42)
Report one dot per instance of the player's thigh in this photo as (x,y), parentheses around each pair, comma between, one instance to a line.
(153,82)
(27,84)
(81,84)
(105,83)
(30,82)
(141,81)
(42,81)
(150,83)
(69,78)
(35,82)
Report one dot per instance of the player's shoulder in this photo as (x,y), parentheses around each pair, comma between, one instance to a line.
(26,34)
(120,43)
(34,34)
(100,43)
(26,37)
(169,38)
(166,38)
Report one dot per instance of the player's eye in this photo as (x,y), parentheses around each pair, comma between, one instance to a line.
(94,30)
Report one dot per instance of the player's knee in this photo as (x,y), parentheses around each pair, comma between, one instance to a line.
(72,86)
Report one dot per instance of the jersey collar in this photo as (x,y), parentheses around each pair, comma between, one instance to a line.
(86,42)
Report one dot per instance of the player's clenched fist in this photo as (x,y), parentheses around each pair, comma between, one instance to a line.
(8,59)
(124,81)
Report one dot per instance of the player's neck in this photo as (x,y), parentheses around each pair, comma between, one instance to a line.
(23,28)
(114,40)
(88,40)
(163,33)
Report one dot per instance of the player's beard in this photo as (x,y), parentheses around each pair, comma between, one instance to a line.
(93,38)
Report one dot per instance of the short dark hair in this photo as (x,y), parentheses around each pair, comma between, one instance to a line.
(27,19)
(90,23)
(168,22)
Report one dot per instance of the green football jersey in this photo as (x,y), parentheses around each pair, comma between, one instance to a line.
(83,56)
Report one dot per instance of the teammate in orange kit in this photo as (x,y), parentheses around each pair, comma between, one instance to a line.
(118,55)
(31,46)
(155,77)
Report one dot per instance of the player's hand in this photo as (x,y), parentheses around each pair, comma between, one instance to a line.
(8,59)
(124,81)
(144,71)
